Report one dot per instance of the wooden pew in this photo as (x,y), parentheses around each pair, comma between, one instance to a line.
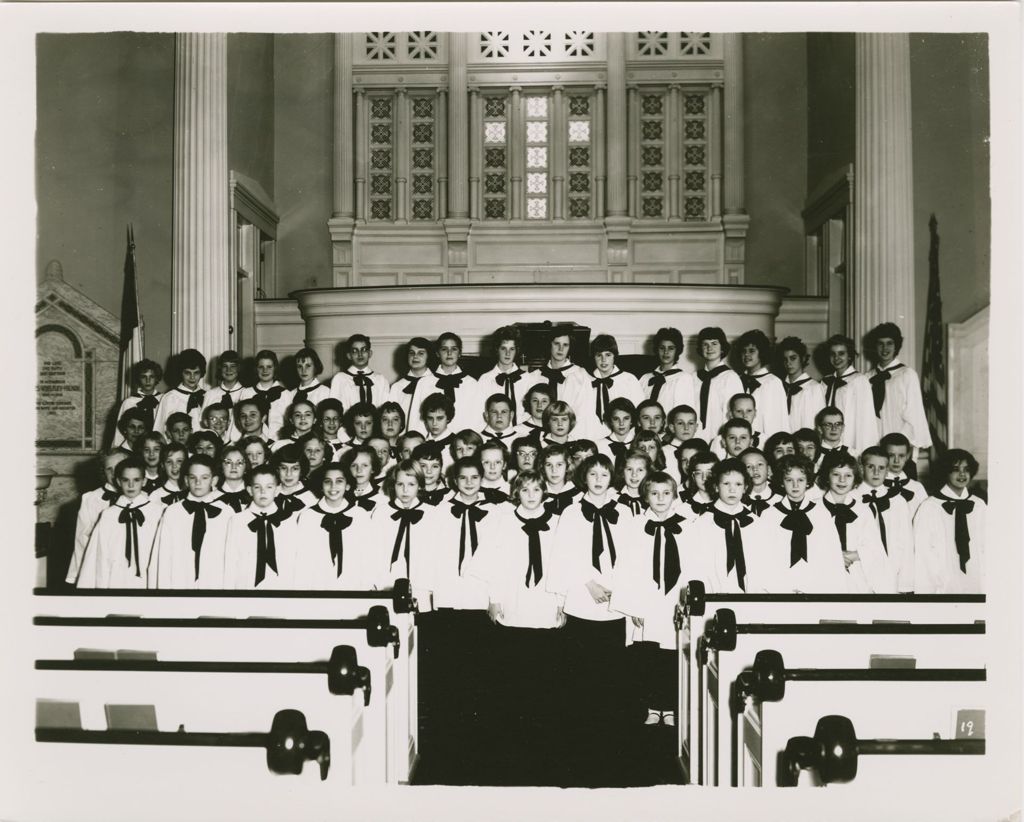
(770,702)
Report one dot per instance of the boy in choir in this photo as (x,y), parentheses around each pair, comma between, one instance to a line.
(400,530)
(764,387)
(498,419)
(760,496)
(570,383)
(493,458)
(465,444)
(292,494)
(804,395)
(437,412)
(314,449)
(898,449)
(697,499)
(261,541)
(178,428)
(231,485)
(891,514)
(383,449)
(507,377)
(579,451)
(416,385)
(359,423)
(718,382)
(308,367)
(950,531)
(559,490)
(830,424)
(407,443)
(647,442)
(430,459)
(538,397)
(172,458)
(669,384)
(629,478)
(301,418)
(620,420)
(333,550)
(358,383)
(362,466)
(250,420)
(204,442)
(744,407)
(807,443)
(734,437)
(849,391)
(732,545)
(525,451)
(255,450)
(807,557)
(646,585)
(146,376)
(188,396)
(650,416)
(117,554)
(94,503)
(228,390)
(330,414)
(609,381)
(217,418)
(682,426)
(869,569)
(189,548)
(268,391)
(391,424)
(150,449)
(559,422)
(131,426)
(460,388)
(896,390)
(684,455)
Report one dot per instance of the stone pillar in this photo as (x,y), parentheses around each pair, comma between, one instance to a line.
(342,221)
(673,139)
(882,288)
(201,284)
(475,138)
(734,216)
(617,220)
(558,159)
(715,152)
(457,224)
(514,138)
(599,129)
(442,155)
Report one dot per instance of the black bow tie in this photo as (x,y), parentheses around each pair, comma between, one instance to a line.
(110,497)
(199,511)
(601,386)
(557,503)
(657,381)
(302,394)
(750,382)
(172,497)
(792,389)
(334,523)
(495,496)
(410,389)
(733,525)
(494,435)
(839,449)
(532,528)
(878,381)
(236,500)
(899,486)
(448,383)
(266,397)
(842,515)
(634,504)
(150,485)
(705,378)
(796,521)
(226,398)
(554,376)
(406,518)
(618,449)
(147,405)
(433,497)
(263,525)
(602,518)
(671,527)
(290,502)
(960,508)
(470,514)
(756,504)
(833,382)
(195,398)
(878,505)
(366,501)
(131,519)
(364,384)
(698,507)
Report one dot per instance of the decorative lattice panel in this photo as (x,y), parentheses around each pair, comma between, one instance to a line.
(537,110)
(382,171)
(675,45)
(495,157)
(423,151)
(695,156)
(536,45)
(652,155)
(580,134)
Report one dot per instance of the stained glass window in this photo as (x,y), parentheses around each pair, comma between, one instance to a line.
(495,171)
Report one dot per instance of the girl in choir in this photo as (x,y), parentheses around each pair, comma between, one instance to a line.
(261,540)
(682,426)
(383,449)
(465,444)
(460,388)
(268,390)
(559,490)
(538,397)
(359,422)
(178,428)
(231,486)
(508,378)
(362,465)
(146,376)
(358,383)
(733,546)
(806,556)
(408,443)
(609,381)
(650,416)
(717,381)
(493,457)
(898,449)
(416,384)
(188,396)
(149,448)
(646,584)
(807,443)
(669,384)
(329,415)
(804,395)
(430,459)
(332,536)
(119,547)
(204,442)
(399,530)
(255,450)
(949,531)
(578,451)
(763,386)
(291,466)
(559,422)
(308,367)
(93,504)
(684,455)
(250,419)
(301,420)
(620,420)
(760,495)
(391,424)
(849,391)
(891,515)
(869,569)
(228,391)
(629,478)
(131,426)
(697,498)
(570,382)
(189,548)
(647,442)
(437,411)
(778,445)
(315,451)
(525,452)
(172,458)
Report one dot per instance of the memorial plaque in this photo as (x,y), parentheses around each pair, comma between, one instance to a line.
(64,391)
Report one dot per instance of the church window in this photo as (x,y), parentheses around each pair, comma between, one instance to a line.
(382,170)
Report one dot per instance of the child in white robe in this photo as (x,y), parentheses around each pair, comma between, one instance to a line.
(669,383)
(359,383)
(260,545)
(400,528)
(416,384)
(891,514)
(804,395)
(93,504)
(717,382)
(765,388)
(849,391)
(898,449)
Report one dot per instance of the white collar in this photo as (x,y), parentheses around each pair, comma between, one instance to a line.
(949,492)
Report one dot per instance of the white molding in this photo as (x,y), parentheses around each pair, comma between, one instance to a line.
(254,204)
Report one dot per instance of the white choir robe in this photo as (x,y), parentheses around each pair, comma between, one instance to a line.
(177,400)
(130,402)
(917,490)
(173,564)
(855,401)
(937,564)
(823,572)
(903,407)
(634,591)
(410,403)
(899,534)
(572,566)
(502,564)
(806,403)
(874,572)
(711,561)
(316,569)
(104,564)
(383,531)
(723,387)
(528,428)
(241,548)
(299,493)
(344,388)
(487,385)
(89,511)
(604,445)
(576,390)
(217,394)
(316,392)
(671,460)
(468,406)
(822,452)
(275,413)
(770,399)
(768,495)
(624,385)
(681,388)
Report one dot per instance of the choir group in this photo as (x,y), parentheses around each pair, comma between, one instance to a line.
(550,498)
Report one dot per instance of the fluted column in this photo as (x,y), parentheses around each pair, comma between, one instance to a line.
(403,136)
(342,221)
(201,284)
(457,223)
(558,158)
(883,246)
(734,215)
(617,123)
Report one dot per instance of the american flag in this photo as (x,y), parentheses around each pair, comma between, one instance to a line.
(132,346)
(933,371)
